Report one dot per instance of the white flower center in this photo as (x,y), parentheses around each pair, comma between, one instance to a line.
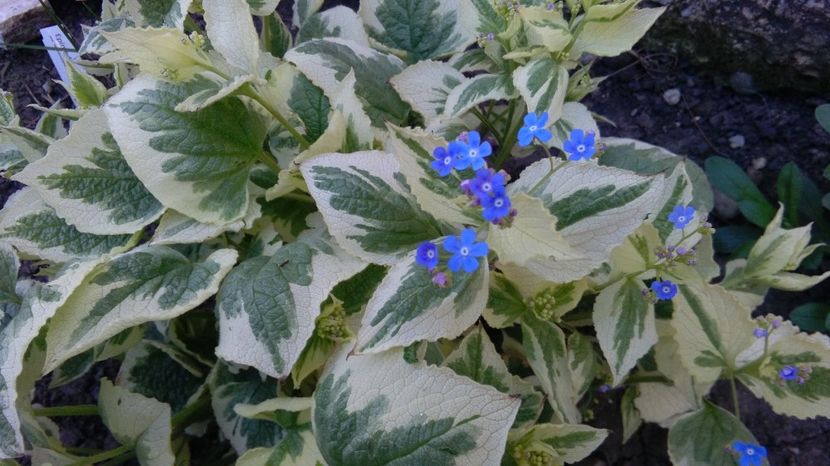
(447,160)
(750,451)
(580,148)
(430,253)
(498,202)
(681,219)
(464,251)
(486,187)
(532,128)
(666,290)
(473,153)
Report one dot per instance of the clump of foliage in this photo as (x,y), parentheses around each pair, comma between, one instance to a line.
(305,245)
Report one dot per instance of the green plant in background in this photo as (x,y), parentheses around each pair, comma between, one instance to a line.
(308,244)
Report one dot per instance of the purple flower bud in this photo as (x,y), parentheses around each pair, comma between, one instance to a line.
(681,251)
(604,388)
(551,6)
(440,279)
(788,373)
(490,36)
(776,323)
(465,188)
(760,333)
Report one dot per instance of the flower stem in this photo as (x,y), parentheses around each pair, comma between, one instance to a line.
(486,123)
(509,138)
(735,404)
(250,92)
(75,410)
(103,456)
(269,161)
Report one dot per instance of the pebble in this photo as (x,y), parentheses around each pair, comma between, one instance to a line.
(672,96)
(737,141)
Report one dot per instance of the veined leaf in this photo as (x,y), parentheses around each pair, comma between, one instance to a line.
(379,409)
(176,228)
(421,29)
(230,29)
(426,86)
(192,162)
(31,144)
(145,284)
(8,116)
(303,9)
(481,88)
(595,208)
(38,306)
(275,36)
(138,422)
(163,372)
(297,448)
(340,21)
(164,53)
(543,84)
(158,13)
(441,197)
(85,178)
(9,265)
(31,226)
(263,7)
(85,89)
(311,105)
(232,385)
(624,320)
(408,307)
(480,16)
(327,61)
(545,346)
(563,443)
(712,326)
(267,306)
(701,438)
(546,27)
(477,358)
(575,115)
(367,206)
(95,42)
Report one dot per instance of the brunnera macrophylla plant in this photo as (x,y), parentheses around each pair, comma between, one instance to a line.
(311,245)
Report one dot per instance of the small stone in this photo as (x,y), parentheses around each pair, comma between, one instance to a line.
(672,96)
(725,207)
(742,83)
(737,141)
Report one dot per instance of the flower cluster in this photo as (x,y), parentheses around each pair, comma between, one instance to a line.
(797,374)
(766,325)
(464,252)
(749,454)
(468,151)
(673,255)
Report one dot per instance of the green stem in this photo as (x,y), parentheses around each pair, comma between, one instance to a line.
(61,25)
(250,92)
(75,410)
(35,47)
(486,123)
(735,404)
(509,138)
(269,161)
(104,456)
(121,459)
(649,379)
(551,171)
(188,414)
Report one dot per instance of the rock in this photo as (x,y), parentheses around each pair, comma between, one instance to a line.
(778,43)
(725,207)
(21,20)
(737,141)
(672,96)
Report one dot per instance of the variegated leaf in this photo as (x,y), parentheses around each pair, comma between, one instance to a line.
(608,35)
(155,13)
(426,86)
(367,205)
(482,88)
(339,21)
(192,162)
(164,53)
(559,443)
(379,408)
(146,284)
(85,178)
(543,84)
(267,306)
(230,29)
(408,307)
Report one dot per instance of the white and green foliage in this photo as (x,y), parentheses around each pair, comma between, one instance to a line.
(240,219)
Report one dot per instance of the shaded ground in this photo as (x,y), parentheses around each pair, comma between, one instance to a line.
(776,127)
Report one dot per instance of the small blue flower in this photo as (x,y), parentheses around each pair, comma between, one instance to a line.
(788,373)
(443,162)
(581,145)
(460,155)
(749,454)
(486,182)
(427,255)
(682,216)
(476,151)
(534,128)
(464,250)
(760,333)
(664,290)
(496,206)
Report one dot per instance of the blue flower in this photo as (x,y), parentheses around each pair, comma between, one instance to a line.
(760,332)
(476,151)
(749,454)
(443,162)
(580,145)
(788,373)
(486,183)
(427,255)
(682,216)
(464,250)
(664,290)
(496,206)
(460,155)
(534,128)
